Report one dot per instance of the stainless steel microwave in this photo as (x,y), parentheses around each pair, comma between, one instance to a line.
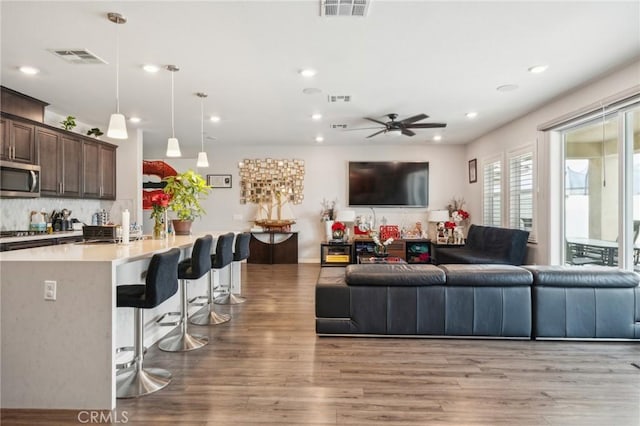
(19,180)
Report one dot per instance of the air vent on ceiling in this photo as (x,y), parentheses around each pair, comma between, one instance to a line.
(77,56)
(338,98)
(338,126)
(344,7)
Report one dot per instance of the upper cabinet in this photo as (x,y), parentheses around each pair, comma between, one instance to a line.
(17,141)
(71,165)
(99,165)
(60,163)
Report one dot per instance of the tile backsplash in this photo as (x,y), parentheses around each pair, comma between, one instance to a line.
(15,213)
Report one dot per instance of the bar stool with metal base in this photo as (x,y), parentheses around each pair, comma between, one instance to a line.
(240,253)
(161,283)
(222,257)
(193,268)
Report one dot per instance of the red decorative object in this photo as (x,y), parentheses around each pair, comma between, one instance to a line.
(338,226)
(358,231)
(449,225)
(389,231)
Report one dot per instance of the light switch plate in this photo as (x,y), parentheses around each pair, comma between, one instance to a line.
(50,290)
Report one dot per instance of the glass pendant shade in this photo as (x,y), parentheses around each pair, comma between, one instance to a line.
(173,148)
(203,161)
(117,127)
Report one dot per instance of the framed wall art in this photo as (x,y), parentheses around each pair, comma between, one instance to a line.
(473,170)
(219,181)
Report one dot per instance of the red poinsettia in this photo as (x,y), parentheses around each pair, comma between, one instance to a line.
(449,225)
(338,226)
(460,215)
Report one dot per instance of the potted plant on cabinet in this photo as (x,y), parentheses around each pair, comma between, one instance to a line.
(186,191)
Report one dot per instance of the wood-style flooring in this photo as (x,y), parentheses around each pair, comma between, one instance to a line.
(268,367)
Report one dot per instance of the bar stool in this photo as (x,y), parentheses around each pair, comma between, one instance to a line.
(161,283)
(192,268)
(222,258)
(240,253)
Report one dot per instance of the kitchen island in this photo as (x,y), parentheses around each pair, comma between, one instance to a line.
(61,354)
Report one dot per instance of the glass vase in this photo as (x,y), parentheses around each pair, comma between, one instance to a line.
(160,227)
(380,251)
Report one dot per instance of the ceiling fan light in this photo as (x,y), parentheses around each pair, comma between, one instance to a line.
(173,148)
(117,127)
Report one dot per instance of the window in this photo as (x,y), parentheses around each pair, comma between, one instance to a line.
(521,189)
(492,192)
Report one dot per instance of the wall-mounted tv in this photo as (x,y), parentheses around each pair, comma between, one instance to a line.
(388,184)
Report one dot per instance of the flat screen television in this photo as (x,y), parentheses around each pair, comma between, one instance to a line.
(388,184)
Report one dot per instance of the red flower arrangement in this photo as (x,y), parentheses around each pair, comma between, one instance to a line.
(159,203)
(449,225)
(338,226)
(460,215)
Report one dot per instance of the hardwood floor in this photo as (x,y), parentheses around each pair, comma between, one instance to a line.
(267,366)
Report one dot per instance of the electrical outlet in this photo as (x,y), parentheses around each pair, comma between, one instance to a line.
(50,290)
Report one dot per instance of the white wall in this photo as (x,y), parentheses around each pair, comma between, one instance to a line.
(524,130)
(326,177)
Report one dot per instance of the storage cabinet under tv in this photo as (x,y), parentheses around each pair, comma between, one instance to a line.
(410,250)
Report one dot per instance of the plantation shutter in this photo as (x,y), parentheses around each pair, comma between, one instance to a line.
(521,191)
(492,193)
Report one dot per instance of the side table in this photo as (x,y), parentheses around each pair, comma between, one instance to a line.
(336,254)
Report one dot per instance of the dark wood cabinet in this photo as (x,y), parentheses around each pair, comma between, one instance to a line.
(50,156)
(99,165)
(18,141)
(273,247)
(410,250)
(60,163)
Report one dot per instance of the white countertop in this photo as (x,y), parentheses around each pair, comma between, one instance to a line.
(98,252)
(62,234)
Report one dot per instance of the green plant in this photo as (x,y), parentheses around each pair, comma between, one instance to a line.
(95,131)
(186,190)
(69,123)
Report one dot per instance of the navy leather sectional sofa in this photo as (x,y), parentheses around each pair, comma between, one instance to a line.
(492,301)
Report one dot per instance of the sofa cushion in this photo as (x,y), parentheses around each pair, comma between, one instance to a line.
(394,275)
(581,276)
(486,275)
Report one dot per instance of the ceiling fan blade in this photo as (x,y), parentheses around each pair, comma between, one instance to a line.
(377,133)
(426,125)
(414,118)
(376,121)
(361,128)
(407,132)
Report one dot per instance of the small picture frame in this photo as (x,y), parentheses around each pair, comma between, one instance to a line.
(473,170)
(219,181)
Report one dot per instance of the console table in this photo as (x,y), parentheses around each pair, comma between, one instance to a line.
(273,247)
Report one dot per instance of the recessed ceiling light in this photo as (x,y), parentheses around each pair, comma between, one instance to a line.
(134,119)
(537,69)
(316,117)
(151,68)
(319,139)
(507,88)
(307,72)
(437,138)
(215,118)
(25,69)
(471,114)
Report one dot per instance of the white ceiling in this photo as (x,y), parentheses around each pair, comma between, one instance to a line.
(439,58)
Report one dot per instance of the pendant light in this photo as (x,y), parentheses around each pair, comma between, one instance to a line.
(117,125)
(203,161)
(173,147)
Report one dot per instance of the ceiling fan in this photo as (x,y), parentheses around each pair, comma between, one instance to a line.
(404,126)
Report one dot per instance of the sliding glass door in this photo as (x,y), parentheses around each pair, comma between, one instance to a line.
(599,189)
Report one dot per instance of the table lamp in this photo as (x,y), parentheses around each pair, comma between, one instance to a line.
(348,217)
